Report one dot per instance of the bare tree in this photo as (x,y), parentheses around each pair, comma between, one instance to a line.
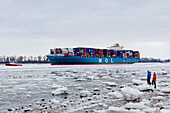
(25,58)
(44,58)
(20,59)
(39,58)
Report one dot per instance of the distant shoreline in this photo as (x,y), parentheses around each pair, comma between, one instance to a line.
(47,62)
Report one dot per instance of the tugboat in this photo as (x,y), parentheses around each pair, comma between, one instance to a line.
(13,64)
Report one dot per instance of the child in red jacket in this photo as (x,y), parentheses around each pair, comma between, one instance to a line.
(154,80)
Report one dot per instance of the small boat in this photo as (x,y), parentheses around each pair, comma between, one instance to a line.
(13,64)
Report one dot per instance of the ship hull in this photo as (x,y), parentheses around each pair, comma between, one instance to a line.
(61,60)
(8,64)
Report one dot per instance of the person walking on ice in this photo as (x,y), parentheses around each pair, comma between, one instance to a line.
(154,80)
(149,77)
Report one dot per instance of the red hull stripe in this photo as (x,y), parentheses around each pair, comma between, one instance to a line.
(13,65)
(94,64)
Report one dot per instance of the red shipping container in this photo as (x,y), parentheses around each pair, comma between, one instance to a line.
(84,49)
(65,54)
(84,53)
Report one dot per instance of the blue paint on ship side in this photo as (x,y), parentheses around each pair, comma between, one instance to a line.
(88,60)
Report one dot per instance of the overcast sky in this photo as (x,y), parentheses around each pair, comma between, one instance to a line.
(32,27)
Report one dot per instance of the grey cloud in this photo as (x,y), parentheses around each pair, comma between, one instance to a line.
(82,22)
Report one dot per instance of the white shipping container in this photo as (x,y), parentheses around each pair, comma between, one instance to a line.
(59,54)
(70,49)
(64,50)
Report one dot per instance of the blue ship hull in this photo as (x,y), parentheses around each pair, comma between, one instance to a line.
(62,60)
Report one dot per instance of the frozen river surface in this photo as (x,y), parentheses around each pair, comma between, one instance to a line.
(77,88)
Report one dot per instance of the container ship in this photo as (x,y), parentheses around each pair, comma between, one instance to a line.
(92,56)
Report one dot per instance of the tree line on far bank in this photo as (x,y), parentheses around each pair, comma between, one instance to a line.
(153,60)
(43,59)
(24,59)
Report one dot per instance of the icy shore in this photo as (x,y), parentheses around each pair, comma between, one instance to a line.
(84,89)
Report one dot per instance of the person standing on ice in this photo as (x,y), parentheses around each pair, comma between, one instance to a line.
(154,80)
(148,77)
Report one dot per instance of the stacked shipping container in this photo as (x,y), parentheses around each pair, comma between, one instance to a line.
(92,52)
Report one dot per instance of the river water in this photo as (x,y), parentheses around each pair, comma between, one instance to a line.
(20,86)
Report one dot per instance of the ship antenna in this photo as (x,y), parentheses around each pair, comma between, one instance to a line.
(54,49)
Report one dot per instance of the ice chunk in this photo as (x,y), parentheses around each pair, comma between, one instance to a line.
(149,110)
(115,95)
(80,88)
(143,78)
(135,73)
(135,106)
(111,84)
(163,84)
(96,89)
(55,86)
(144,88)
(145,102)
(158,98)
(118,110)
(85,93)
(55,102)
(137,82)
(130,93)
(165,111)
(109,88)
(164,72)
(81,79)
(160,104)
(60,91)
(166,90)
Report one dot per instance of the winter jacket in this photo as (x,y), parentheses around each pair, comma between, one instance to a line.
(154,77)
(149,75)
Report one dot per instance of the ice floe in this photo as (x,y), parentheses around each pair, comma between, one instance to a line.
(130,93)
(111,84)
(158,98)
(140,106)
(85,93)
(166,90)
(60,91)
(118,110)
(136,82)
(144,88)
(149,110)
(91,89)
(115,95)
(165,111)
